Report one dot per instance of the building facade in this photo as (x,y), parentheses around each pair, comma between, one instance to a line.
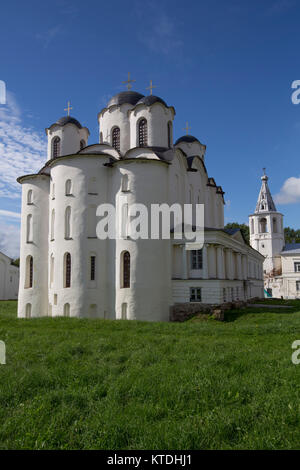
(282,261)
(9,279)
(67,270)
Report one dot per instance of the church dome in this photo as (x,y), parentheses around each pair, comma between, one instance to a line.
(68,120)
(128,97)
(187,138)
(151,99)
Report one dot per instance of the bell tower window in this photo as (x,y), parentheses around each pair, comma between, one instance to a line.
(143,133)
(56,147)
(116,138)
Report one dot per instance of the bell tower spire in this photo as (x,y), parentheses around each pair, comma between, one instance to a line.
(266,228)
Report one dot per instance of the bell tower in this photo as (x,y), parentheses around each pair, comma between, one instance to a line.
(266,228)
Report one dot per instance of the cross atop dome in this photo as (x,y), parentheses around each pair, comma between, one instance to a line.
(128,82)
(68,108)
(186,128)
(150,87)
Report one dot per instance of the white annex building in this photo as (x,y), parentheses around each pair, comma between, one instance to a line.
(282,261)
(67,270)
(9,278)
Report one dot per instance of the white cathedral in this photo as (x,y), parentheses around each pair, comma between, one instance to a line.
(282,261)
(65,270)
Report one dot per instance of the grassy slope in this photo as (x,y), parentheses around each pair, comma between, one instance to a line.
(72,383)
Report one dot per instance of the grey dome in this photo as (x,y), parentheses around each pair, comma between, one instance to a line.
(187,138)
(130,97)
(68,120)
(151,99)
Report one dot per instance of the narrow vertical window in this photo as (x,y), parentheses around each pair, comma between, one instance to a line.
(28,311)
(68,223)
(52,225)
(143,133)
(116,138)
(51,270)
(56,147)
(29,272)
(67,273)
(126,269)
(68,188)
(82,144)
(29,197)
(124,184)
(29,235)
(66,310)
(93,268)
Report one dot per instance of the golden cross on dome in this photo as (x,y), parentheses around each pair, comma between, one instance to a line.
(150,87)
(186,128)
(68,108)
(128,82)
(264,170)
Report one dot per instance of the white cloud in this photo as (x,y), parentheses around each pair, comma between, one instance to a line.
(10,239)
(48,36)
(9,214)
(22,149)
(290,192)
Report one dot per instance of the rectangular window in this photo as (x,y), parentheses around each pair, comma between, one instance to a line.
(298,286)
(224,295)
(195,294)
(93,267)
(297,267)
(196,259)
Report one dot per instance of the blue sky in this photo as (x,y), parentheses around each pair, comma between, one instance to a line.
(226,67)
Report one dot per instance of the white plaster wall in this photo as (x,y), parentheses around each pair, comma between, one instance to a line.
(70,136)
(149,295)
(157,117)
(112,117)
(83,293)
(192,148)
(37,296)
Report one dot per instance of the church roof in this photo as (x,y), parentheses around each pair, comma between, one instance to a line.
(151,99)
(130,97)
(265,201)
(187,138)
(291,248)
(68,120)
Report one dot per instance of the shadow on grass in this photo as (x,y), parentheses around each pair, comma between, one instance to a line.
(233,315)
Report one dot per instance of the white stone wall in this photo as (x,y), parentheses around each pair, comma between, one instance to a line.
(70,136)
(9,279)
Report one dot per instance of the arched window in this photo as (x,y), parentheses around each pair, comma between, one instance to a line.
(125,185)
(143,133)
(52,224)
(263,225)
(29,235)
(67,270)
(68,188)
(29,197)
(125,269)
(29,272)
(101,138)
(252,226)
(275,228)
(51,270)
(93,267)
(28,311)
(116,138)
(56,147)
(68,223)
(82,144)
(53,191)
(124,311)
(66,310)
(169,134)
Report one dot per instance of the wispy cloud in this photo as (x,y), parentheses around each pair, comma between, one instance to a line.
(159,32)
(290,192)
(47,37)
(280,6)
(9,239)
(22,149)
(10,214)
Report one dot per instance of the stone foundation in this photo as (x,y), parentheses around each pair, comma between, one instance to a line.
(184,311)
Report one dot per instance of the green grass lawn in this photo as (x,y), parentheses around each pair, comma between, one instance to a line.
(99,384)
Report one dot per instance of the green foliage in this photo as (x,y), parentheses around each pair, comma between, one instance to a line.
(99,384)
(291,235)
(16,262)
(243,227)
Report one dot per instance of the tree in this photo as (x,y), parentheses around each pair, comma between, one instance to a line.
(291,235)
(243,228)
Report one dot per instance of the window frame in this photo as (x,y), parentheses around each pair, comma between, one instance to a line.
(195,294)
